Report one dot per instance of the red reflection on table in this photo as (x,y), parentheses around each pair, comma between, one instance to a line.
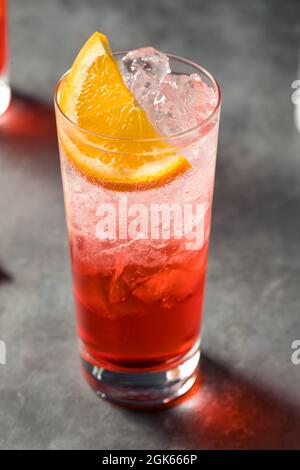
(28,121)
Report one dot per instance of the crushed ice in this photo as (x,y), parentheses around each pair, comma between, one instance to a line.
(173,102)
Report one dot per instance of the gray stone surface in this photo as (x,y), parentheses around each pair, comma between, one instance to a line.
(250,391)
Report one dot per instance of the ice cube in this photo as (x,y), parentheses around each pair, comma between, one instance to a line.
(200,98)
(143,70)
(117,291)
(168,286)
(173,102)
(187,102)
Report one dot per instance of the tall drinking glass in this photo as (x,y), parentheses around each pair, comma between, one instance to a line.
(139,259)
(4,84)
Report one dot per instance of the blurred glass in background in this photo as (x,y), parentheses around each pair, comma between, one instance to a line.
(4,84)
(296,97)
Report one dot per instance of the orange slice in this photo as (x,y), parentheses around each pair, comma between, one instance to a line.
(94,96)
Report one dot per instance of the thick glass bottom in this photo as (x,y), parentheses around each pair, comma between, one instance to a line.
(5,95)
(144,389)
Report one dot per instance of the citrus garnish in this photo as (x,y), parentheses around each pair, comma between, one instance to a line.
(94,96)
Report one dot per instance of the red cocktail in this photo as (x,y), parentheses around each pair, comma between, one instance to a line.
(138,155)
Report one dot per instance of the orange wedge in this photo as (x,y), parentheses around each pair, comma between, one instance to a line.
(94,96)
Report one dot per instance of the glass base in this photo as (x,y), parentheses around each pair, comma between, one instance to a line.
(145,389)
(5,95)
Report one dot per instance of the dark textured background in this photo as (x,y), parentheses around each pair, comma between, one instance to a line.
(250,392)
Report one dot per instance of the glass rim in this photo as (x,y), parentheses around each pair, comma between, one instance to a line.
(181,134)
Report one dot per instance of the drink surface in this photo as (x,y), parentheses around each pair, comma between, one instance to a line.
(139,256)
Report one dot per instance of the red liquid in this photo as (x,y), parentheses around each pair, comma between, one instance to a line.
(3,37)
(145,318)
